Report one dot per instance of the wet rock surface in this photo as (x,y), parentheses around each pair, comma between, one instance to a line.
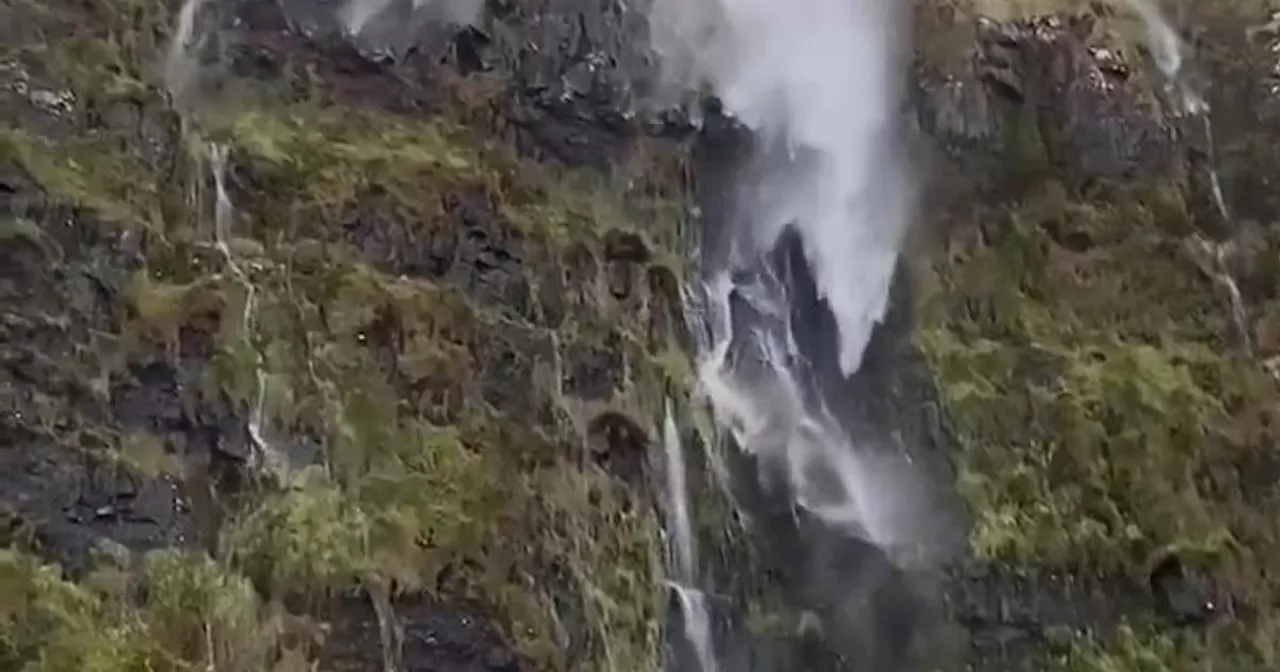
(1108,140)
(402,295)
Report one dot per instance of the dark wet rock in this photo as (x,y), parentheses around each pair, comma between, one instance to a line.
(618,445)
(1185,595)
(427,637)
(1050,94)
(595,370)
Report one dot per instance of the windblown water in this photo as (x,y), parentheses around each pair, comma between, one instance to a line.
(819,83)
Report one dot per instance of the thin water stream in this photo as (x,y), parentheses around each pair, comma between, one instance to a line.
(182,70)
(1168,51)
(683,573)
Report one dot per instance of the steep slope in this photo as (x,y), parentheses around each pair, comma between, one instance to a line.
(405,360)
(394,405)
(1113,403)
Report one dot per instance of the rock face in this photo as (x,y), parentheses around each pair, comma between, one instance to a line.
(314,354)
(1113,428)
(390,403)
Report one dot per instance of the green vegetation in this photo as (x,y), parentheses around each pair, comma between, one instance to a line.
(1087,369)
(194,615)
(344,311)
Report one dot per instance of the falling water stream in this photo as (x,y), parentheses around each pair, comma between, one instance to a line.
(1167,50)
(683,577)
(181,71)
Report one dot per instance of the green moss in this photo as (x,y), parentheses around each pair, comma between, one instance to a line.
(93,172)
(1136,648)
(418,479)
(194,615)
(1086,368)
(311,537)
(610,545)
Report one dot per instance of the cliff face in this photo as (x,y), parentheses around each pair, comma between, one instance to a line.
(395,404)
(400,356)
(1102,335)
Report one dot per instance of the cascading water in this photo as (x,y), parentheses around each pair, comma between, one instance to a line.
(1167,50)
(821,82)
(684,574)
(181,69)
(818,84)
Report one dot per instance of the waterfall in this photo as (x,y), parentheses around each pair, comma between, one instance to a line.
(819,84)
(181,71)
(1167,50)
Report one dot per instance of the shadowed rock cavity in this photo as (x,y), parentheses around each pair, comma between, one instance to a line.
(618,445)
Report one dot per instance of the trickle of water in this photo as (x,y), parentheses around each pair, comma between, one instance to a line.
(1167,49)
(224,211)
(679,526)
(180,67)
(693,605)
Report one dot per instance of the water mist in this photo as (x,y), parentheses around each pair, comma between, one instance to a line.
(819,85)
(822,81)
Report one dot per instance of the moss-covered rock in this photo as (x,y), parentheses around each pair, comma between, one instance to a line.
(326,344)
(1115,432)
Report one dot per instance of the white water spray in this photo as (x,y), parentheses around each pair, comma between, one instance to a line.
(356,14)
(684,579)
(822,77)
(770,414)
(181,63)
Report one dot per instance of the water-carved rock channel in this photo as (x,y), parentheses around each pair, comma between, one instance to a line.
(461,335)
